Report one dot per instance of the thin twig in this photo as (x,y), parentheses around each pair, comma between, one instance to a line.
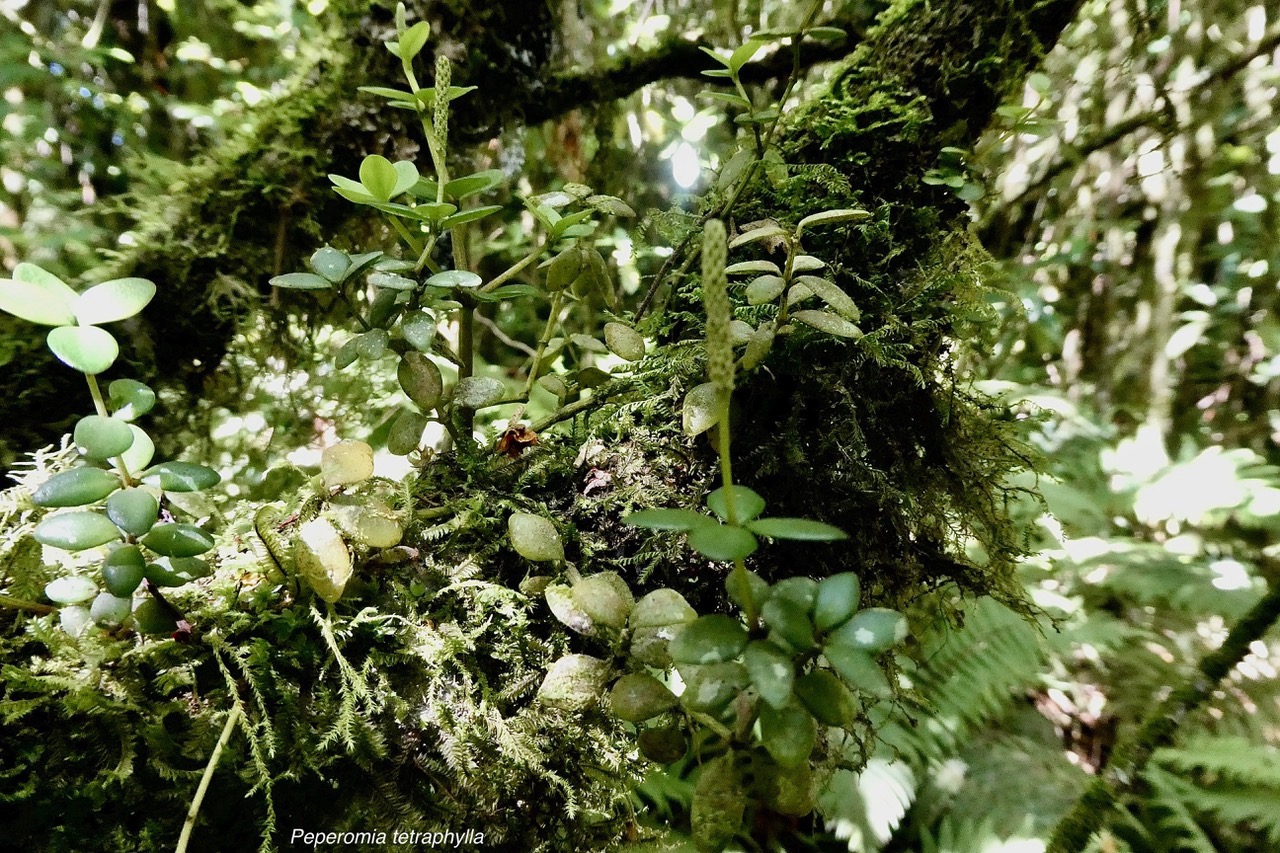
(233,717)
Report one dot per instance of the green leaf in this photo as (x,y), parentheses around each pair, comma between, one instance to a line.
(734,583)
(351,190)
(406,177)
(130,398)
(773,672)
(77,487)
(825,33)
(727,98)
(178,540)
(534,537)
(574,682)
(832,324)
(788,620)
(379,177)
(609,205)
(406,432)
(113,300)
(723,60)
(123,570)
(455,278)
(564,223)
(37,296)
(476,392)
(414,39)
(719,805)
(460,188)
(827,698)
(709,639)
(392,281)
(746,503)
(181,477)
(85,348)
(807,263)
(465,216)
(797,528)
(709,689)
(836,601)
(301,281)
(638,696)
(765,288)
(135,511)
(110,610)
(789,733)
(872,630)
(139,454)
(722,542)
(667,519)
(827,291)
(70,590)
(623,341)
(343,464)
(703,408)
(772,231)
(153,618)
(330,263)
(76,531)
(832,217)
(744,54)
(100,438)
(748,267)
(858,669)
(176,571)
(400,95)
(419,331)
(421,380)
(372,345)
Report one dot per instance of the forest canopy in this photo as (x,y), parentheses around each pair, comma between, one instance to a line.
(744,425)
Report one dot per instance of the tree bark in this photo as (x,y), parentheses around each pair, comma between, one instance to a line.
(260,204)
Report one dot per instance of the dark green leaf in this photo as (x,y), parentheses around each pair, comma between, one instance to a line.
(181,477)
(178,540)
(667,519)
(77,487)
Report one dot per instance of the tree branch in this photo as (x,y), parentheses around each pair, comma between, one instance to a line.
(673,59)
(1159,729)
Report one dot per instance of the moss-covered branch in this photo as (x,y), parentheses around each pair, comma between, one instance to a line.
(1159,729)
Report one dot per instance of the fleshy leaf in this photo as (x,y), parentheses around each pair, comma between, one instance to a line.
(722,542)
(37,296)
(746,503)
(182,477)
(85,348)
(77,487)
(667,519)
(797,528)
(113,300)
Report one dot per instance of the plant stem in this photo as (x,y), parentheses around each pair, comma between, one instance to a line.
(100,406)
(512,271)
(1121,775)
(731,511)
(552,321)
(233,717)
(21,604)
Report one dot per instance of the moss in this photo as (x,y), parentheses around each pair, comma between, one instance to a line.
(881,437)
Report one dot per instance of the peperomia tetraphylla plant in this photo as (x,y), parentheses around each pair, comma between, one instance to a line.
(114,498)
(767,694)
(402,299)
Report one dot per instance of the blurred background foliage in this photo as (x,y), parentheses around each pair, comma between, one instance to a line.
(1130,199)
